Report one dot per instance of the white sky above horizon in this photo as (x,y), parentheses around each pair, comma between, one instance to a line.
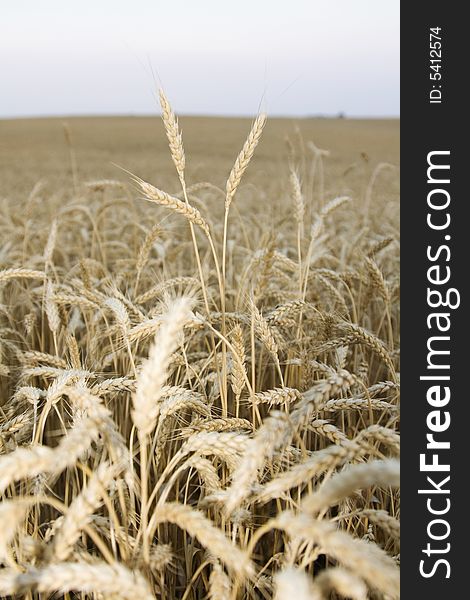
(296,57)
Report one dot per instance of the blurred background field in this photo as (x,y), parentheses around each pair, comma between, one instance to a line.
(33,149)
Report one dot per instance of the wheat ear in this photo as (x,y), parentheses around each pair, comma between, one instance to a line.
(385,521)
(320,461)
(153,194)
(11,513)
(367,560)
(150,388)
(173,133)
(152,378)
(355,477)
(269,437)
(340,580)
(81,510)
(293,582)
(244,158)
(7,274)
(200,527)
(28,462)
(114,580)
(219,584)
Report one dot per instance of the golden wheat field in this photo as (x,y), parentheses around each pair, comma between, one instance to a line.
(199,358)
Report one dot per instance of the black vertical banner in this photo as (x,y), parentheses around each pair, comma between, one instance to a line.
(435,254)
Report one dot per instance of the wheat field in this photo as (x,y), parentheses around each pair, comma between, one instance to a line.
(199,358)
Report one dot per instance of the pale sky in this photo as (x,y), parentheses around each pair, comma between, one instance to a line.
(289,57)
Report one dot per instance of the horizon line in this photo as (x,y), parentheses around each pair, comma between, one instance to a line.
(339,115)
